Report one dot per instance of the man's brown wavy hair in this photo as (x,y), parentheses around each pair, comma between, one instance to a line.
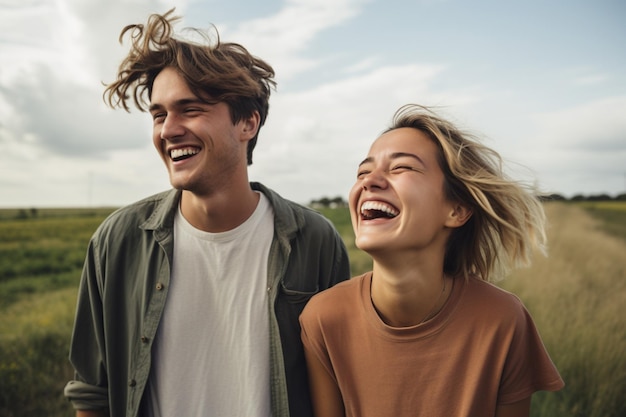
(214,71)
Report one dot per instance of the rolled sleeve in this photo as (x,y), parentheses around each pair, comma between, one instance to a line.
(86,397)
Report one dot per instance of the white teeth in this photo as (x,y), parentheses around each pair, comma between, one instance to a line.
(379,206)
(177,153)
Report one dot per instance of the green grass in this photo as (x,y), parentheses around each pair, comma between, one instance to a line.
(41,256)
(612,214)
(33,355)
(42,252)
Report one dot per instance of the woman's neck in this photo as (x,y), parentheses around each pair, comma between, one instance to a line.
(408,296)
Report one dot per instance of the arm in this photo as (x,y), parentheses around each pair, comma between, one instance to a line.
(518,409)
(325,394)
(88,391)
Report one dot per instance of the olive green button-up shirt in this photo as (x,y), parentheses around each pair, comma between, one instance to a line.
(124,288)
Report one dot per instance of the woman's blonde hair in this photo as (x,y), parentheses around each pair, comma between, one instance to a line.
(508,221)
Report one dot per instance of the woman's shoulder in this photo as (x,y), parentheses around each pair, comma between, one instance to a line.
(491,299)
(481,288)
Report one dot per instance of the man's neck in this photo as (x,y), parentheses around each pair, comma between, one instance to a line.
(219,212)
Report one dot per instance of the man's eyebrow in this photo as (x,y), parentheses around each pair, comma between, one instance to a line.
(178,103)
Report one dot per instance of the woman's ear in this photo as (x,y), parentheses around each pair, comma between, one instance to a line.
(459,215)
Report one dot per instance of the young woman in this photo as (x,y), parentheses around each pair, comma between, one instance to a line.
(425,333)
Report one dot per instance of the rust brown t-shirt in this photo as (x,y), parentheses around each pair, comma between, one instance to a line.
(481,350)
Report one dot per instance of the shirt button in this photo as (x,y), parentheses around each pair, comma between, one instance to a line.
(144,339)
(132,383)
(159,286)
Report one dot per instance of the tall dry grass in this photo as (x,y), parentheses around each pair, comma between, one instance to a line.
(577,297)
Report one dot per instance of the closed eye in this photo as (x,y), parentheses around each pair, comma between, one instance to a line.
(360,174)
(158,116)
(401,168)
(192,110)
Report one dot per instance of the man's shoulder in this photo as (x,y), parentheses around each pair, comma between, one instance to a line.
(134,215)
(290,211)
(340,293)
(313,224)
(336,302)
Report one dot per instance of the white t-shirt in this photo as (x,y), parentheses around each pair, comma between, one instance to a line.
(211,352)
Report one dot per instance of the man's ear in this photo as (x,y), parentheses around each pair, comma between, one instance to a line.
(250,126)
(459,215)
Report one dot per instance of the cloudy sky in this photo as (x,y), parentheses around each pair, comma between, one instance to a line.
(542,82)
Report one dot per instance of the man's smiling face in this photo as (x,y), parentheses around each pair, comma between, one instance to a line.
(197,140)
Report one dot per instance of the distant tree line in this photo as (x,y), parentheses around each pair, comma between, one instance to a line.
(326,202)
(336,202)
(34,212)
(25,214)
(581,197)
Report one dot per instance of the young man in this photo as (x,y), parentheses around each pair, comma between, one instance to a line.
(189,299)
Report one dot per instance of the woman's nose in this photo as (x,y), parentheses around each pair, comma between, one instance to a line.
(374,179)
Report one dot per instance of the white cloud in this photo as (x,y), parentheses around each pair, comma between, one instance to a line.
(282,38)
(314,139)
(592,79)
(580,149)
(60,142)
(65,117)
(596,126)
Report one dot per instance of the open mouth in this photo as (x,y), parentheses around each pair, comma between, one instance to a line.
(371,210)
(183,153)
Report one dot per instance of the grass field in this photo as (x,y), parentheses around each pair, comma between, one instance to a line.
(41,256)
(612,215)
(576,296)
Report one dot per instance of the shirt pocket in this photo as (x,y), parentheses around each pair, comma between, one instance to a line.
(297,295)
